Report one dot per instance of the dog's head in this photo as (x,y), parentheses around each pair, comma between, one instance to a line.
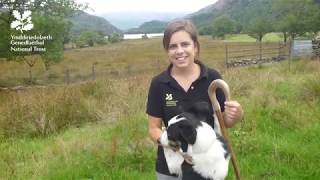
(182,129)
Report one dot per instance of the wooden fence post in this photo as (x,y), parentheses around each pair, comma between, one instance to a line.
(67,76)
(279,50)
(227,64)
(290,52)
(30,75)
(129,70)
(260,51)
(93,70)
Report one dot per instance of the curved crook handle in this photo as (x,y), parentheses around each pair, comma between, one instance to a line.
(218,83)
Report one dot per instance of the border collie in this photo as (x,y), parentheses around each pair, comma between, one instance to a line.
(198,140)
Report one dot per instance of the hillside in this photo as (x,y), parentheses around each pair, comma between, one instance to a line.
(84,22)
(202,18)
(149,27)
(134,19)
(238,10)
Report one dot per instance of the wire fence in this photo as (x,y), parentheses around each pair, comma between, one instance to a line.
(255,53)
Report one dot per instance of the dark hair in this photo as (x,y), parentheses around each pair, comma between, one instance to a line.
(180,25)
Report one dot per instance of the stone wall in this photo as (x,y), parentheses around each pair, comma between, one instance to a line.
(254,61)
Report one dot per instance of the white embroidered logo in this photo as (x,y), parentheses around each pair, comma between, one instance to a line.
(170,102)
(169,97)
(22,22)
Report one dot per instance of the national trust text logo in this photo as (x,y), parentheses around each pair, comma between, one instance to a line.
(26,42)
(23,21)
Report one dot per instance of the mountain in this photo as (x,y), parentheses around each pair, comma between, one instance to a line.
(128,20)
(202,18)
(84,22)
(239,11)
(146,22)
(156,22)
(149,27)
(233,8)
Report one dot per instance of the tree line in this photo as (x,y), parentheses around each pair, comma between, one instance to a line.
(256,18)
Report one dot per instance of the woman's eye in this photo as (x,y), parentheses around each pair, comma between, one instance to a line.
(185,44)
(172,46)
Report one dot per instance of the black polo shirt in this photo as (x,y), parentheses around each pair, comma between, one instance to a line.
(167,98)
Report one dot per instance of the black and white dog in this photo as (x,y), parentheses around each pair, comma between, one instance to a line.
(198,140)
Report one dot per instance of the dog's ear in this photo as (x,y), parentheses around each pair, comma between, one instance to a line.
(200,110)
(188,131)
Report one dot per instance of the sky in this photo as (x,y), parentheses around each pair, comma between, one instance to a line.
(111,6)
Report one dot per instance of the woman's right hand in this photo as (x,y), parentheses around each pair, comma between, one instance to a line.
(155,125)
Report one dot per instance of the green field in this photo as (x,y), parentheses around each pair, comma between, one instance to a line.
(98,129)
(120,59)
(270,37)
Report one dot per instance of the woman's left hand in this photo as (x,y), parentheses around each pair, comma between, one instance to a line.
(232,113)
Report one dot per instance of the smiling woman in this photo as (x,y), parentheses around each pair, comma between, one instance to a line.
(184,83)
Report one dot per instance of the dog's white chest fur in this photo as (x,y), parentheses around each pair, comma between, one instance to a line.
(208,154)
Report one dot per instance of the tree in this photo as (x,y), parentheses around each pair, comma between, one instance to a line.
(101,38)
(258,27)
(92,37)
(113,38)
(206,30)
(57,28)
(296,17)
(48,17)
(89,37)
(258,19)
(4,35)
(223,25)
(313,21)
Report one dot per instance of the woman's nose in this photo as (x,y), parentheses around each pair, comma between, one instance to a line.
(179,50)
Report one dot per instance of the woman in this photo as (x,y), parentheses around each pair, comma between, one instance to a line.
(185,82)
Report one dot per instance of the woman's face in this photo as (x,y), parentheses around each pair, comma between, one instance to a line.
(181,49)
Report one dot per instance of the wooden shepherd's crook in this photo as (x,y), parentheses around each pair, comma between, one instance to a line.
(219,83)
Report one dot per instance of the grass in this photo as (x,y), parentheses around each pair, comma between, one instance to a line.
(120,59)
(239,38)
(98,129)
(270,37)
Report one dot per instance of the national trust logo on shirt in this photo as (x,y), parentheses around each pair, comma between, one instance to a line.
(168,97)
(170,102)
(23,21)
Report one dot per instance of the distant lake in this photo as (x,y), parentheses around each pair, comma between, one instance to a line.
(139,36)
